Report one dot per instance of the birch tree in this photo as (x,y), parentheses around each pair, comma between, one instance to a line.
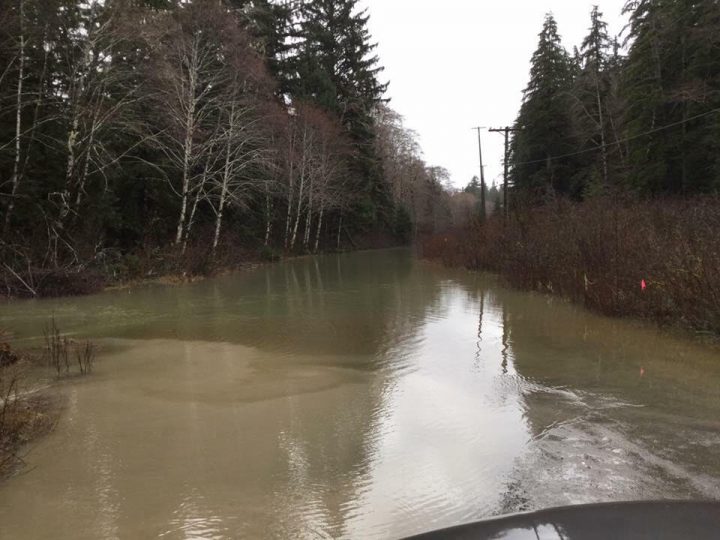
(26,23)
(315,140)
(205,76)
(186,80)
(245,155)
(92,95)
(15,179)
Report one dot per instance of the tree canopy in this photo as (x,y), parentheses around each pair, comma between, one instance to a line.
(644,121)
(133,125)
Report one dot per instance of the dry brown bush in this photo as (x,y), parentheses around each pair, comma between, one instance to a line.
(599,252)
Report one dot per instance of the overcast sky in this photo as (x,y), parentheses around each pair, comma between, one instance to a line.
(455,64)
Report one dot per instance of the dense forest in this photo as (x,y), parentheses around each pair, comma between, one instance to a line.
(141,136)
(601,120)
(614,170)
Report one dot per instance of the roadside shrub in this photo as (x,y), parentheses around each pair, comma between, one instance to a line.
(600,252)
(269,254)
(23,415)
(10,422)
(7,356)
(38,282)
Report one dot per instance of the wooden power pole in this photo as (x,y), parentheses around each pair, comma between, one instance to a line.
(482,175)
(507,131)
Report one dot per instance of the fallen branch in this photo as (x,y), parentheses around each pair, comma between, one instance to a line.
(21,280)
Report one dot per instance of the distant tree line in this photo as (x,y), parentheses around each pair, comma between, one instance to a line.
(130,125)
(615,172)
(639,116)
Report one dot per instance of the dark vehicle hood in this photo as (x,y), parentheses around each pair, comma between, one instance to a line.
(634,520)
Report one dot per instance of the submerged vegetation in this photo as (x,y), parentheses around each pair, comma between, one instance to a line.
(28,406)
(23,416)
(61,352)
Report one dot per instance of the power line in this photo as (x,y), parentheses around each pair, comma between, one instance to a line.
(621,141)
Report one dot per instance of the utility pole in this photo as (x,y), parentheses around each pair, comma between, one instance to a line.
(506,130)
(482,175)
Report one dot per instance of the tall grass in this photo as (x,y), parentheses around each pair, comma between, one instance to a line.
(58,351)
(85,355)
(57,348)
(601,251)
(27,414)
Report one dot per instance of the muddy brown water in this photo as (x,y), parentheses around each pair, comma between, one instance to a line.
(366,395)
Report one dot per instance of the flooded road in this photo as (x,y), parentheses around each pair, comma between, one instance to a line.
(367,395)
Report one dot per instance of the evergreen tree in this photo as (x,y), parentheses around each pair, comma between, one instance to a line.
(269,23)
(336,63)
(544,122)
(129,123)
(671,78)
(473,187)
(335,66)
(592,106)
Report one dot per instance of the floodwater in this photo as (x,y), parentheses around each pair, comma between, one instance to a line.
(367,395)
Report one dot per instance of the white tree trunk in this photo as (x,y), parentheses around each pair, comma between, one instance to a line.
(191,217)
(298,212)
(227,171)
(602,130)
(77,90)
(38,103)
(268,214)
(291,191)
(308,216)
(339,231)
(188,142)
(218,221)
(86,166)
(71,140)
(319,227)
(18,119)
(187,149)
(300,193)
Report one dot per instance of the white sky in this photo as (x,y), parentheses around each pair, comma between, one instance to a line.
(456,64)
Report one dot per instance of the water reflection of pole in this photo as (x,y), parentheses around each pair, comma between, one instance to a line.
(309,288)
(320,285)
(504,341)
(480,328)
(339,271)
(268,293)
